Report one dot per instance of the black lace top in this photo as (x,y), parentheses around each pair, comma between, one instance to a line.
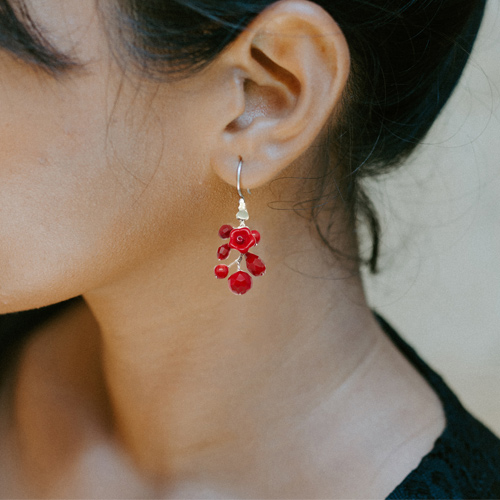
(465,460)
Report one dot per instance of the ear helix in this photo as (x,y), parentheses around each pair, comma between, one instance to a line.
(242,239)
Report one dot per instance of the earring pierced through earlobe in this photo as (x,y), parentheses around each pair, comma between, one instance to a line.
(242,239)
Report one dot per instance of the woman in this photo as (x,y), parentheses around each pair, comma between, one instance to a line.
(131,134)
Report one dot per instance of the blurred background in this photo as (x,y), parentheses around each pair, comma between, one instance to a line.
(439,284)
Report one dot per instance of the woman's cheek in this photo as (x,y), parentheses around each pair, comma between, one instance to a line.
(58,216)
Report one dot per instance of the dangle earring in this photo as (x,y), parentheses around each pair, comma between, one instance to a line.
(242,239)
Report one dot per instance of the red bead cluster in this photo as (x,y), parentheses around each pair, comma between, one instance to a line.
(241,239)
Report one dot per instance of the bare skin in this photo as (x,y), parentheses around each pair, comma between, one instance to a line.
(162,383)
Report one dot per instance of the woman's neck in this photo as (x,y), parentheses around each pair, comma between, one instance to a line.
(253,394)
(203,383)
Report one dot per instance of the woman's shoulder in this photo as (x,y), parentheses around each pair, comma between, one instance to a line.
(465,459)
(464,463)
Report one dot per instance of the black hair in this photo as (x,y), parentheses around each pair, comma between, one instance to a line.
(407,57)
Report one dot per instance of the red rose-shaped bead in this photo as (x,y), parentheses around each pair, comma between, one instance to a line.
(255,264)
(256,235)
(224,231)
(221,271)
(223,252)
(241,239)
(240,282)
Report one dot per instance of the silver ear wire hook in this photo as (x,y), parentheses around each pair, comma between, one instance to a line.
(238,179)
(242,214)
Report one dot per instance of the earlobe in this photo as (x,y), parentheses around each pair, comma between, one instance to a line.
(294,62)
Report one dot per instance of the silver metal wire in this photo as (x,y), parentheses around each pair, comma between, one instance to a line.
(238,178)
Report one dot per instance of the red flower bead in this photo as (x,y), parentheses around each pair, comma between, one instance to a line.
(224,231)
(255,264)
(240,282)
(221,271)
(241,239)
(256,235)
(223,252)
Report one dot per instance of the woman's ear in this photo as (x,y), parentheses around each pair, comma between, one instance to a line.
(292,65)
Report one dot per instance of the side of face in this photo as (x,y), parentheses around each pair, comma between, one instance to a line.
(103,171)
(94,165)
